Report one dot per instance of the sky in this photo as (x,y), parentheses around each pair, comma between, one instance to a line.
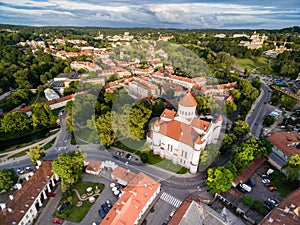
(190,14)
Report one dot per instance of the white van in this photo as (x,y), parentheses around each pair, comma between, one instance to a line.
(245,187)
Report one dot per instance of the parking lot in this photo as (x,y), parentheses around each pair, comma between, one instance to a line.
(259,191)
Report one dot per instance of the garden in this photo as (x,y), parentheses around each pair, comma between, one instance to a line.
(77,201)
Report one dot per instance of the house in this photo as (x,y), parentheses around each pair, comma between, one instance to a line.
(284,144)
(24,205)
(287,212)
(137,197)
(94,167)
(181,136)
(122,176)
(194,211)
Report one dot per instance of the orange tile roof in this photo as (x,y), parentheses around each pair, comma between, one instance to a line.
(122,174)
(167,113)
(188,100)
(178,131)
(130,205)
(250,170)
(286,142)
(22,197)
(93,166)
(287,212)
(200,124)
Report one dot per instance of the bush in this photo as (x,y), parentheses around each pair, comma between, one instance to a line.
(144,157)
(247,200)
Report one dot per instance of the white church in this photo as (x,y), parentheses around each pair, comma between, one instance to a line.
(181,136)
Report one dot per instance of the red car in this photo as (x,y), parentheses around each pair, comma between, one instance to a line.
(51,194)
(57,220)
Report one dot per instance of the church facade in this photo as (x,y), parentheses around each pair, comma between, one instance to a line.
(181,136)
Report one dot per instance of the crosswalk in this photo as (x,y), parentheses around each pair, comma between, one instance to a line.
(170,199)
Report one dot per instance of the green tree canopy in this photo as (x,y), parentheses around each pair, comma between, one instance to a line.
(240,128)
(269,120)
(104,128)
(36,153)
(8,178)
(230,107)
(68,167)
(293,167)
(15,122)
(219,179)
(42,116)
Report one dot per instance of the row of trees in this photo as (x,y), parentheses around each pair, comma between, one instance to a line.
(16,124)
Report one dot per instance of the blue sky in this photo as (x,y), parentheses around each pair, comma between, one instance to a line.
(269,14)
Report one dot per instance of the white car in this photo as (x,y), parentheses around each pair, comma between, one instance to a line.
(265,181)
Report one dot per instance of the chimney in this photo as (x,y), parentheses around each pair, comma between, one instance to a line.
(19,186)
(11,197)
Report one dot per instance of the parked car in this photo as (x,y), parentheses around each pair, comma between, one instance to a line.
(264,176)
(105,208)
(245,187)
(272,188)
(273,201)
(62,208)
(241,189)
(101,213)
(57,220)
(268,205)
(20,171)
(116,157)
(172,213)
(51,194)
(128,156)
(108,203)
(268,185)
(265,181)
(250,183)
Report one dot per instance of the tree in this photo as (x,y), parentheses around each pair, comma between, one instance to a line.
(158,108)
(15,122)
(208,155)
(219,179)
(224,59)
(104,128)
(293,167)
(42,116)
(269,120)
(8,178)
(203,105)
(236,94)
(68,167)
(247,200)
(230,107)
(288,102)
(240,128)
(36,153)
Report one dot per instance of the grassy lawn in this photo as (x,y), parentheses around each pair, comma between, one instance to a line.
(283,185)
(251,63)
(134,146)
(77,213)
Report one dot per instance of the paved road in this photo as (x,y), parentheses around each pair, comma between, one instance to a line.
(259,110)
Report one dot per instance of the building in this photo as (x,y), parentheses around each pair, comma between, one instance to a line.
(284,144)
(94,167)
(136,199)
(195,211)
(181,136)
(50,94)
(24,205)
(287,212)
(122,176)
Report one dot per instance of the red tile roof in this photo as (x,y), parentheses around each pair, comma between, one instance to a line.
(286,142)
(188,100)
(167,113)
(130,205)
(287,212)
(23,197)
(250,170)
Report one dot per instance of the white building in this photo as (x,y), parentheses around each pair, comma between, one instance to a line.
(181,136)
(23,206)
(50,94)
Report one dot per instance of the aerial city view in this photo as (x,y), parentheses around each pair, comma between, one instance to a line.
(123,112)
